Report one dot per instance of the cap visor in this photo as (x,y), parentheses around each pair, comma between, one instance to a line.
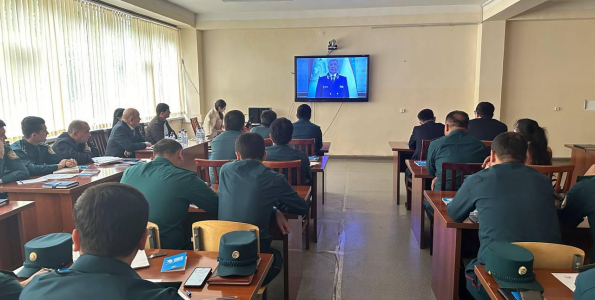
(27,272)
(236,270)
(532,286)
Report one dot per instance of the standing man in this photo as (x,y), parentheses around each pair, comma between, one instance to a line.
(11,166)
(484,127)
(125,137)
(281,132)
(332,85)
(427,129)
(266,119)
(37,156)
(159,127)
(304,129)
(75,143)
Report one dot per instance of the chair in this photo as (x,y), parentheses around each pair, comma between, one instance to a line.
(194,122)
(99,139)
(203,166)
(488,144)
(305,145)
(268,142)
(552,256)
(153,240)
(142,129)
(559,172)
(425,144)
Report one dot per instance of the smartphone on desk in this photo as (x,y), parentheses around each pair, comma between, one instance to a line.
(198,278)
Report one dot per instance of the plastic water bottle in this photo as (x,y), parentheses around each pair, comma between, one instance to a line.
(184,138)
(200,134)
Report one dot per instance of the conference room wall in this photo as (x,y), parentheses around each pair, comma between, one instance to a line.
(551,64)
(411,68)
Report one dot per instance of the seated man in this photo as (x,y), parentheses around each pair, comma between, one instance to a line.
(110,222)
(249,193)
(75,143)
(281,132)
(456,147)
(159,127)
(427,130)
(484,127)
(125,137)
(223,145)
(170,189)
(11,166)
(38,157)
(266,119)
(585,286)
(515,203)
(304,129)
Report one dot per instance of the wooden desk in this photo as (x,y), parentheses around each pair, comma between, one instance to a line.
(53,207)
(326,147)
(315,211)
(418,178)
(553,289)
(401,152)
(190,152)
(205,260)
(582,160)
(11,234)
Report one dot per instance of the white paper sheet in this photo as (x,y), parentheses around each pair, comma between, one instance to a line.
(59,176)
(314,164)
(28,181)
(139,261)
(154,280)
(73,170)
(568,279)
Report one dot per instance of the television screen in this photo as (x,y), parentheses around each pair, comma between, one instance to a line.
(331,78)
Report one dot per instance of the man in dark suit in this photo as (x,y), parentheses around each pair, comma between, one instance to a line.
(159,127)
(332,85)
(304,129)
(126,137)
(428,129)
(484,127)
(75,143)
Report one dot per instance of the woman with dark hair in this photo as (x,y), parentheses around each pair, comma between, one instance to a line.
(213,123)
(117,116)
(538,152)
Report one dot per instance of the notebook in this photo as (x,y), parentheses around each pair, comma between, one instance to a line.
(73,170)
(106,160)
(3,202)
(231,280)
(59,184)
(447,200)
(174,263)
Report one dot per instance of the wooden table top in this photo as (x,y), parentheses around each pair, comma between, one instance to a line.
(190,145)
(399,146)
(417,171)
(14,207)
(320,167)
(106,173)
(326,147)
(205,259)
(553,289)
(435,200)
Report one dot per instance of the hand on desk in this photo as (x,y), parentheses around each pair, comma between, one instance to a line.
(127,153)
(71,163)
(282,223)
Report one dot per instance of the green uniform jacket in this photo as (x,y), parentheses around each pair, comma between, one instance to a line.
(304,129)
(457,147)
(248,192)
(169,191)
(39,160)
(95,278)
(585,286)
(224,145)
(580,203)
(263,130)
(11,167)
(10,288)
(286,153)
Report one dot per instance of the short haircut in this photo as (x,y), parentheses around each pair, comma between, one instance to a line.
(129,113)
(250,146)
(111,218)
(267,117)
(281,131)
(510,146)
(304,112)
(77,125)
(425,115)
(31,125)
(2,124)
(166,147)
(457,118)
(161,108)
(485,109)
(234,120)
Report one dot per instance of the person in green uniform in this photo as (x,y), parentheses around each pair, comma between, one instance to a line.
(266,119)
(251,193)
(281,133)
(455,147)
(304,129)
(585,286)
(514,203)
(10,288)
(11,166)
(170,189)
(110,222)
(223,145)
(39,158)
(579,203)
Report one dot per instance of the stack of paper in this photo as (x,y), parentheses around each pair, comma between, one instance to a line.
(40,179)
(73,170)
(106,160)
(59,176)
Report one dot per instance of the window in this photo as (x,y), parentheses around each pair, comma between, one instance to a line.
(72,59)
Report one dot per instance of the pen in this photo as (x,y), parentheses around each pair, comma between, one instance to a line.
(224,298)
(188,293)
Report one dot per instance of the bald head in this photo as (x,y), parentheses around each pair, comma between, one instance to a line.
(131,117)
(456,120)
(79,131)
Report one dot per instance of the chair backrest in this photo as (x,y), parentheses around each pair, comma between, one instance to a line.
(194,122)
(488,145)
(456,168)
(153,240)
(99,139)
(556,173)
(203,166)
(142,129)
(288,168)
(552,256)
(425,145)
(268,142)
(305,145)
(206,235)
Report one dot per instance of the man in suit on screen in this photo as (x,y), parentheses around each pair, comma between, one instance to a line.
(332,85)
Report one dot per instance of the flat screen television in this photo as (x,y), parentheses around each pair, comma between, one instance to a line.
(336,78)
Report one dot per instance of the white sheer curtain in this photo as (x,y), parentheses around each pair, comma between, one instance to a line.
(72,59)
